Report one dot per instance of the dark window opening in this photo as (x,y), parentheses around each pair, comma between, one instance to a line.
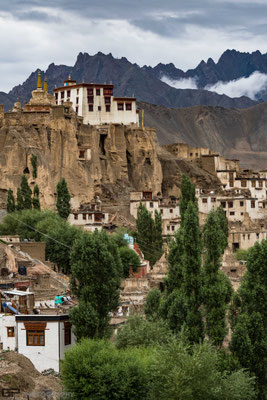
(90,99)
(241,203)
(77,110)
(235,246)
(147,161)
(90,92)
(107,100)
(10,331)
(26,170)
(68,93)
(98,92)
(252,203)
(230,204)
(128,106)
(107,108)
(62,95)
(75,216)
(67,333)
(81,153)
(223,204)
(99,108)
(91,107)
(120,106)
(102,139)
(77,100)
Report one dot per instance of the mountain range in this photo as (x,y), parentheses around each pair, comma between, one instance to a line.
(145,83)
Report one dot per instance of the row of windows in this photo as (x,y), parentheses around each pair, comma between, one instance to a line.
(36,337)
(90,92)
(170,228)
(253,183)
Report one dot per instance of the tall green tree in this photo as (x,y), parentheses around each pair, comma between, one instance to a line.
(11,204)
(129,257)
(187,195)
(191,282)
(96,275)
(26,193)
(19,205)
(223,224)
(63,199)
(149,234)
(217,288)
(35,199)
(249,338)
(152,304)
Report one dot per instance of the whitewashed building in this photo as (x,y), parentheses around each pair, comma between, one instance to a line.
(97,104)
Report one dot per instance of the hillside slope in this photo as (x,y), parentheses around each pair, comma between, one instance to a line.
(235,133)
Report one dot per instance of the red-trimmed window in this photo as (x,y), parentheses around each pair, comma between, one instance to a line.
(128,106)
(90,99)
(107,108)
(97,92)
(91,107)
(120,106)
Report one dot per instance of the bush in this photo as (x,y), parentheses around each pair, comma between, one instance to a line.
(139,332)
(95,369)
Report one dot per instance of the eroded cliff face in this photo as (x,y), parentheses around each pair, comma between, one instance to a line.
(90,159)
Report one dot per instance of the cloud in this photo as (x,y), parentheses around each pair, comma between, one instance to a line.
(249,87)
(185,83)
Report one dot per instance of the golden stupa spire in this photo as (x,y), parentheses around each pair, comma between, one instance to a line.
(69,77)
(45,85)
(39,82)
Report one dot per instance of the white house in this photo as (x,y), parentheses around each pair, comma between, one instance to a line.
(96,103)
(44,339)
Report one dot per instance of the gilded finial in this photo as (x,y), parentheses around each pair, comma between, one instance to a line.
(45,85)
(69,77)
(39,81)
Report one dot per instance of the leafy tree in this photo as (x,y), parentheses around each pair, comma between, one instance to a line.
(217,288)
(34,166)
(181,372)
(26,193)
(96,273)
(187,195)
(149,234)
(19,205)
(95,369)
(129,257)
(223,224)
(11,205)
(241,254)
(249,338)
(175,262)
(35,199)
(152,304)
(140,332)
(63,199)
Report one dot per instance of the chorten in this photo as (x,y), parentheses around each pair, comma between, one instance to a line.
(41,100)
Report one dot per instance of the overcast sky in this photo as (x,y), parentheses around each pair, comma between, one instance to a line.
(35,33)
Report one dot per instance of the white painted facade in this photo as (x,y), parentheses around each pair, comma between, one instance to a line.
(7,329)
(97,105)
(89,220)
(48,355)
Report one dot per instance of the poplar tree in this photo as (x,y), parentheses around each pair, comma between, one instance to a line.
(96,275)
(217,288)
(249,338)
(149,234)
(223,225)
(187,194)
(11,205)
(26,193)
(63,199)
(34,165)
(35,199)
(19,205)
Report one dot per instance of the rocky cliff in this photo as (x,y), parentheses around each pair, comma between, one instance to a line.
(109,161)
(240,134)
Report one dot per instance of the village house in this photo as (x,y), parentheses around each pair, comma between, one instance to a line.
(97,104)
(89,216)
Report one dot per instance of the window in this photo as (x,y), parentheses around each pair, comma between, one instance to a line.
(108,92)
(232,213)
(67,333)
(257,235)
(75,216)
(84,216)
(161,211)
(213,199)
(252,203)
(120,106)
(77,91)
(56,96)
(77,100)
(223,204)
(168,228)
(243,183)
(90,99)
(196,154)
(230,204)
(68,93)
(35,337)
(99,108)
(62,95)
(77,110)
(241,204)
(128,106)
(107,100)
(242,213)
(90,92)
(91,107)
(204,200)
(253,183)
(248,236)
(108,108)
(10,331)
(244,237)
(191,154)
(171,210)
(98,92)
(81,153)
(151,204)
(260,184)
